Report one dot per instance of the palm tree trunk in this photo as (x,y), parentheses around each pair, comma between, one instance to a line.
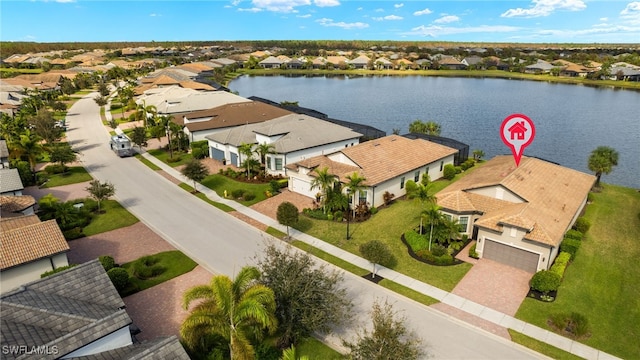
(430,236)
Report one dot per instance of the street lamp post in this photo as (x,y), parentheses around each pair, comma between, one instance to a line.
(348,212)
(169,142)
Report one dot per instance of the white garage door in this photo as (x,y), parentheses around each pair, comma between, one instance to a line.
(508,255)
(302,187)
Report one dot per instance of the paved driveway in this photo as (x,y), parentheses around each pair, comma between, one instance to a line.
(269,206)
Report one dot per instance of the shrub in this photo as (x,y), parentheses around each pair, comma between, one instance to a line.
(574,323)
(415,241)
(560,264)
(373,210)
(107,262)
(590,197)
(574,234)
(473,253)
(198,153)
(56,270)
(458,169)
(174,159)
(582,224)
(378,252)
(445,259)
(338,215)
(570,246)
(147,267)
(449,172)
(315,214)
(237,193)
(248,196)
(438,250)
(330,217)
(55,169)
(73,233)
(545,281)
(410,186)
(274,186)
(468,164)
(387,197)
(119,277)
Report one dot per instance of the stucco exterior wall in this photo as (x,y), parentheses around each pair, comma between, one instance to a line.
(15,277)
(514,237)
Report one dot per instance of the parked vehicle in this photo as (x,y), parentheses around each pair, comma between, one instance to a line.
(121,145)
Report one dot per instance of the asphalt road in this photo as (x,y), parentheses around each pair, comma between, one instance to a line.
(223,244)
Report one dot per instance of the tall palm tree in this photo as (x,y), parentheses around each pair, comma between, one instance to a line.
(434,218)
(263,150)
(602,160)
(250,164)
(245,150)
(323,181)
(29,146)
(237,310)
(354,186)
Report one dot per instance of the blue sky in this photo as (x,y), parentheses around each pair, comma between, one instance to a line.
(536,21)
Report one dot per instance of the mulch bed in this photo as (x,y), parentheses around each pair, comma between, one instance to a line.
(535,294)
(375,279)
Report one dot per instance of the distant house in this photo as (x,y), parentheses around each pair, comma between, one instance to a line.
(175,100)
(294,137)
(361,62)
(75,314)
(387,164)
(271,62)
(540,67)
(199,124)
(382,64)
(10,182)
(29,248)
(463,149)
(451,63)
(517,214)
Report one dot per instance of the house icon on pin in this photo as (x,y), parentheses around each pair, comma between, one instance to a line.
(517,130)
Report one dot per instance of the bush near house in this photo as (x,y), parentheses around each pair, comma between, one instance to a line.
(449,172)
(570,246)
(545,281)
(560,264)
(119,277)
(107,262)
(574,234)
(582,225)
(56,270)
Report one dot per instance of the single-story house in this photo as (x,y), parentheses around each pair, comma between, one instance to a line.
(463,149)
(361,62)
(199,124)
(386,163)
(10,182)
(294,137)
(540,67)
(76,313)
(29,248)
(173,100)
(517,214)
(271,62)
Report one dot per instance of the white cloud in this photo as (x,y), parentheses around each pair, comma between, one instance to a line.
(253,9)
(304,16)
(631,13)
(348,26)
(379,10)
(604,19)
(446,19)
(388,17)
(545,8)
(326,3)
(154,15)
(398,6)
(285,6)
(65,1)
(426,11)
(436,31)
(601,30)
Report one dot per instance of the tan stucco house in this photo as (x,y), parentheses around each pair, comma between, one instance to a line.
(517,214)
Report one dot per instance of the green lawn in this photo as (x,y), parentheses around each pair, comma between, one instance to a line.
(163,156)
(149,164)
(541,347)
(220,183)
(75,174)
(114,216)
(314,349)
(603,283)
(175,262)
(201,196)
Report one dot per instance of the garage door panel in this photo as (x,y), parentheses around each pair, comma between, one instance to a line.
(302,187)
(509,255)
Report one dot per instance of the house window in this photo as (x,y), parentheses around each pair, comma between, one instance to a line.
(362,197)
(463,222)
(402,183)
(441,165)
(278,163)
(268,161)
(416,176)
(514,232)
(426,171)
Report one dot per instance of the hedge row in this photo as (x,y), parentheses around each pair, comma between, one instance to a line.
(560,264)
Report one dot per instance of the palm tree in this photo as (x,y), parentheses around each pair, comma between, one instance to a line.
(28,146)
(433,128)
(245,150)
(238,311)
(250,164)
(434,217)
(263,150)
(422,194)
(602,161)
(323,181)
(143,111)
(478,154)
(354,186)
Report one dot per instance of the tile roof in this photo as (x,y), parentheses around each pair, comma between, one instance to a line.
(14,204)
(231,115)
(551,195)
(7,224)
(68,310)
(10,181)
(298,132)
(31,242)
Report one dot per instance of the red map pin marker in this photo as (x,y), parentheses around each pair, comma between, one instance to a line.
(517,132)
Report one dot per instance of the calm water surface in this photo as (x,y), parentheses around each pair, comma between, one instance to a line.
(571,120)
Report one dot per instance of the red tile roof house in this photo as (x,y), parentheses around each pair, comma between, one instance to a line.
(518,214)
(387,164)
(29,249)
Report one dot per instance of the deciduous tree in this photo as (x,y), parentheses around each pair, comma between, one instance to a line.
(195,171)
(287,214)
(377,252)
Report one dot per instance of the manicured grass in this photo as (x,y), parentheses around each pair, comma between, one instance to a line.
(149,164)
(113,216)
(221,206)
(603,283)
(314,349)
(175,262)
(220,183)
(163,156)
(410,293)
(275,233)
(75,174)
(330,258)
(541,347)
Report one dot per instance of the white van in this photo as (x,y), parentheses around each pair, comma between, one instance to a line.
(121,145)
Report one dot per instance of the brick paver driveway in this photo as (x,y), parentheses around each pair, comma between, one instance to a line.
(269,206)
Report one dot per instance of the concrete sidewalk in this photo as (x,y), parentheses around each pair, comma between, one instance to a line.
(450,299)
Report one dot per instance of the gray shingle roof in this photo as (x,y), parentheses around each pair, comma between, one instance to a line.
(4,151)
(10,181)
(68,310)
(161,349)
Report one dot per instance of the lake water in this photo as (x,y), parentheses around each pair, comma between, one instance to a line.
(570,120)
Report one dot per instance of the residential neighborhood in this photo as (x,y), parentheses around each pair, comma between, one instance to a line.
(109,257)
